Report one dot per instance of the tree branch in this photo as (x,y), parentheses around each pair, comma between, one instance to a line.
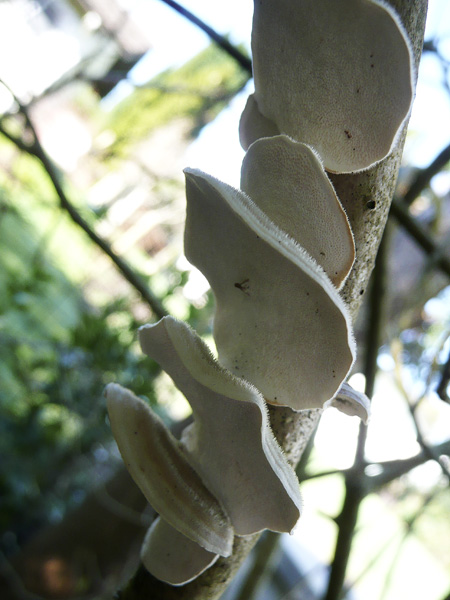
(354,495)
(356,487)
(427,449)
(393,469)
(424,176)
(367,197)
(390,469)
(444,381)
(440,257)
(35,149)
(220,40)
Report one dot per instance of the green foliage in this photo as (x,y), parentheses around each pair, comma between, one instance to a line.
(57,350)
(200,89)
(56,355)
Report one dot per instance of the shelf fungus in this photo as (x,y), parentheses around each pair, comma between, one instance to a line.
(160,468)
(351,402)
(230,443)
(287,181)
(279,322)
(172,557)
(334,75)
(226,476)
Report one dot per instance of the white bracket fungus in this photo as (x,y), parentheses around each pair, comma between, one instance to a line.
(159,467)
(230,443)
(172,557)
(287,181)
(253,125)
(334,74)
(351,402)
(279,321)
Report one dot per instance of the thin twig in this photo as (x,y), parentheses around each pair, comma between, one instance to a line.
(444,381)
(389,469)
(355,480)
(420,235)
(429,450)
(409,529)
(424,176)
(379,554)
(309,476)
(394,469)
(265,560)
(220,40)
(35,149)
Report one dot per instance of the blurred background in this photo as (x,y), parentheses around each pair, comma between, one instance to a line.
(103,104)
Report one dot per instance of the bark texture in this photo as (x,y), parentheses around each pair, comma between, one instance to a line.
(366,198)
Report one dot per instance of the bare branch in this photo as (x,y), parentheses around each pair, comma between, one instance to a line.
(444,381)
(394,469)
(410,523)
(428,450)
(389,470)
(420,235)
(424,176)
(355,479)
(234,52)
(35,149)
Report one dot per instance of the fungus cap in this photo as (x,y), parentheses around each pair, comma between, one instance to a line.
(279,322)
(230,443)
(287,181)
(351,402)
(253,125)
(159,467)
(336,75)
(172,557)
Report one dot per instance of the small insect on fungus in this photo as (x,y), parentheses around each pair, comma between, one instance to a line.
(243,286)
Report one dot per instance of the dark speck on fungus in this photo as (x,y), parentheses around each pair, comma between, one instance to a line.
(279,51)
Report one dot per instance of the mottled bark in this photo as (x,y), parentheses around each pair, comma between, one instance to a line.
(366,198)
